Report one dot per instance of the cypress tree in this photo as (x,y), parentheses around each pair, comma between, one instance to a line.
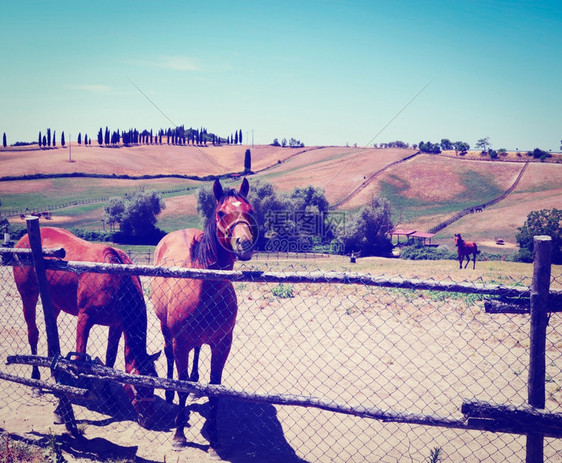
(248,161)
(80,138)
(54,138)
(39,139)
(62,140)
(240,137)
(4,144)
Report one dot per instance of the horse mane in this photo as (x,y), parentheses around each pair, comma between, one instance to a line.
(205,251)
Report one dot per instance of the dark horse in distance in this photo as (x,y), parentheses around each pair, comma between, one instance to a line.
(194,312)
(114,300)
(465,249)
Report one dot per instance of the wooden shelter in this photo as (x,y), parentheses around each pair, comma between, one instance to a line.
(398,232)
(409,234)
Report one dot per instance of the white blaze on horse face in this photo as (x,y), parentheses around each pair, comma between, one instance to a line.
(242,241)
(236,203)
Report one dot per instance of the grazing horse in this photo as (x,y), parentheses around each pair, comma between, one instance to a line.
(95,299)
(193,312)
(465,249)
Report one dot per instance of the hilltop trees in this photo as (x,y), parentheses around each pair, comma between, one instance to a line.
(461,147)
(483,143)
(293,143)
(539,154)
(428,147)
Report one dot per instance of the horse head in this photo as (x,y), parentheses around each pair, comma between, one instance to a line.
(458,239)
(143,396)
(237,228)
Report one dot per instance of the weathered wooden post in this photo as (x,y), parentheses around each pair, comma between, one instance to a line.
(539,320)
(34,234)
(64,410)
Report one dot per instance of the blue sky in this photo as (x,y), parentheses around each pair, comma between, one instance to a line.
(325,72)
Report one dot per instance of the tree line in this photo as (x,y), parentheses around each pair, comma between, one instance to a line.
(171,136)
(292,143)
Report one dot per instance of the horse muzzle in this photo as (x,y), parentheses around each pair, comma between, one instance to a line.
(243,249)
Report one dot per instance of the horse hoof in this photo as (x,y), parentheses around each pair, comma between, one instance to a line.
(36,392)
(57,419)
(178,444)
(213,455)
(194,396)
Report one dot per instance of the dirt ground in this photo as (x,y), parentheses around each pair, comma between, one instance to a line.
(391,349)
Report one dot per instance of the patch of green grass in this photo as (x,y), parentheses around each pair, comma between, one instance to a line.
(478,188)
(282,291)
(169,224)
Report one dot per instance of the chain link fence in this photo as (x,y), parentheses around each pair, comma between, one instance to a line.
(393,347)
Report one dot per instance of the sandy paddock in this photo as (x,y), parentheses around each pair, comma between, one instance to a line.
(387,348)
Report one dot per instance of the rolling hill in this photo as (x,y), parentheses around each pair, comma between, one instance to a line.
(424,190)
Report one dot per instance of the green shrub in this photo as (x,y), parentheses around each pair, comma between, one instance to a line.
(420,252)
(523,255)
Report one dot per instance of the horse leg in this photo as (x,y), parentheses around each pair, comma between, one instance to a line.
(169,351)
(195,368)
(461,258)
(29,306)
(219,354)
(194,377)
(473,261)
(83,328)
(467,260)
(112,345)
(181,354)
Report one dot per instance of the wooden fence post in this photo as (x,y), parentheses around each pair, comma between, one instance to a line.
(34,234)
(64,410)
(539,320)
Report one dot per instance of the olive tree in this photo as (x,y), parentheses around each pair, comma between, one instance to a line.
(367,231)
(543,222)
(135,213)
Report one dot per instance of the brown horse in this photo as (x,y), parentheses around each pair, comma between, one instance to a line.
(465,249)
(96,299)
(193,312)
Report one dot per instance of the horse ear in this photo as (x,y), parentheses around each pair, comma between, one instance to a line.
(244,188)
(217,190)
